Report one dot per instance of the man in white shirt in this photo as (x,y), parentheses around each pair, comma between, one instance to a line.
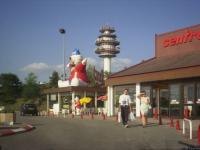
(124,107)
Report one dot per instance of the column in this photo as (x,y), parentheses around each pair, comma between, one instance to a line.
(84,95)
(111,101)
(59,101)
(137,100)
(47,103)
(110,110)
(73,102)
(107,103)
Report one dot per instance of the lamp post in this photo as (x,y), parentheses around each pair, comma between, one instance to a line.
(62,31)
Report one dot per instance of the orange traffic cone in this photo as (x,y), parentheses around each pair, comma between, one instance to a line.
(156,114)
(199,135)
(177,125)
(160,120)
(171,124)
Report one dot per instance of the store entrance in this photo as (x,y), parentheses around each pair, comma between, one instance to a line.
(160,96)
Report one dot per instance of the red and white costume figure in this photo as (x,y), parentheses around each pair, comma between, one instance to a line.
(78,75)
(77,106)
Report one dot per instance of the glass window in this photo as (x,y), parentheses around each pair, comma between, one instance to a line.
(175,93)
(198,93)
(188,90)
(147,89)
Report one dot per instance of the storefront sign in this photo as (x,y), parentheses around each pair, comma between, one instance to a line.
(186,37)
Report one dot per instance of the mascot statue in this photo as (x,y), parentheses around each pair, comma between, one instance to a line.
(78,75)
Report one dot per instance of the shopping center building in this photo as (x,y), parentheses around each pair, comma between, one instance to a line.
(171,79)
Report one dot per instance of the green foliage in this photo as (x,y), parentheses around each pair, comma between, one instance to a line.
(90,75)
(31,89)
(10,88)
(53,79)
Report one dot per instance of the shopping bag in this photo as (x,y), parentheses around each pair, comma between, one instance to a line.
(119,117)
(131,116)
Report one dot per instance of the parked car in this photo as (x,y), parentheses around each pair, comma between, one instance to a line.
(28,109)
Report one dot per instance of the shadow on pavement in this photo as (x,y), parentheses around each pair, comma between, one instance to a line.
(189,146)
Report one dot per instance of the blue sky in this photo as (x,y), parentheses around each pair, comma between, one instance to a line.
(30,41)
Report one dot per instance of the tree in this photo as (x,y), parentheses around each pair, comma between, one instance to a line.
(90,74)
(31,89)
(10,88)
(53,80)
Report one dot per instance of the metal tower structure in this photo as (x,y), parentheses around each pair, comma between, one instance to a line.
(107,46)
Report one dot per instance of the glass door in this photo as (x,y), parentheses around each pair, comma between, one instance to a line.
(164,102)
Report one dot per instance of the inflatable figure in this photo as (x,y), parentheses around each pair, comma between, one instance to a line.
(78,75)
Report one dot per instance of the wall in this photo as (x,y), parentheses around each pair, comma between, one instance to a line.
(178,42)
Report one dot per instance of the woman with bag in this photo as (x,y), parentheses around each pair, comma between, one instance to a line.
(144,107)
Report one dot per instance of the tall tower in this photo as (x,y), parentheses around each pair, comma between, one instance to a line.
(107,46)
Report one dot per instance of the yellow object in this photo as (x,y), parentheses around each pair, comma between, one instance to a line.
(85,100)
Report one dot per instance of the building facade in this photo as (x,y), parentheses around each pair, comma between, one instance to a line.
(171,79)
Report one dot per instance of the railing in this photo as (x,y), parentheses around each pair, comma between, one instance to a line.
(190,123)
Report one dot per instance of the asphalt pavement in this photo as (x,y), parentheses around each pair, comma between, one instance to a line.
(58,133)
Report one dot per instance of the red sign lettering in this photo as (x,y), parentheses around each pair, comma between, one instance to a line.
(180,39)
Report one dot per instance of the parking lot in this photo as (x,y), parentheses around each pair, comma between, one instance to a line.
(58,133)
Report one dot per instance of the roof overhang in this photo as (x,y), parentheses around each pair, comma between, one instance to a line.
(74,88)
(187,72)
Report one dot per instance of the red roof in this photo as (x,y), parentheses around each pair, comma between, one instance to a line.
(161,64)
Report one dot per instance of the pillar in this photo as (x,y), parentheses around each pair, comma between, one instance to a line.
(111,101)
(110,107)
(59,101)
(137,100)
(47,103)
(84,95)
(73,102)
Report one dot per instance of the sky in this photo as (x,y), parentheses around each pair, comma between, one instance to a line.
(30,40)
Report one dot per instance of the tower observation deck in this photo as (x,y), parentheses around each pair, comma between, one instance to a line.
(107,44)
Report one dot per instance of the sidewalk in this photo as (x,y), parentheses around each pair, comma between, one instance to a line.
(152,121)
(15,129)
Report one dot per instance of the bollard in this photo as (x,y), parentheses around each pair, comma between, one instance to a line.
(160,120)
(178,125)
(103,116)
(81,115)
(92,116)
(116,117)
(156,114)
(171,124)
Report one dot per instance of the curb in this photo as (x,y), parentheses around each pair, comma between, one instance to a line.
(7,132)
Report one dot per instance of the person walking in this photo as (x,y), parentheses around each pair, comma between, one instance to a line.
(144,107)
(124,107)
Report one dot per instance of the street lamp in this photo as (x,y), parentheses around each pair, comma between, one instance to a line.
(62,31)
